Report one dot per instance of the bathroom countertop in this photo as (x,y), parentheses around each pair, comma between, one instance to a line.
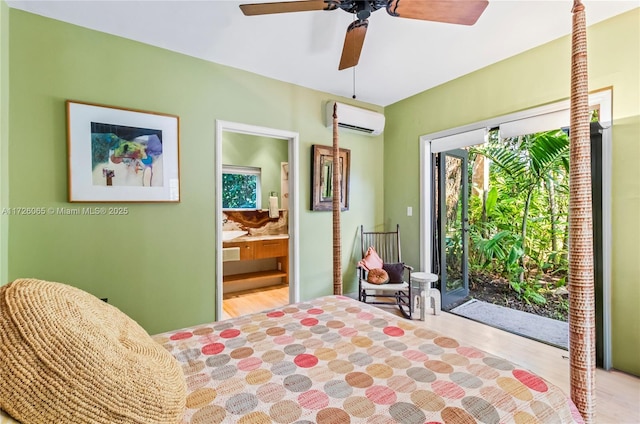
(257,238)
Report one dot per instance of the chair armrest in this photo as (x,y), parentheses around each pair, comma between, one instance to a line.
(362,271)
(410,268)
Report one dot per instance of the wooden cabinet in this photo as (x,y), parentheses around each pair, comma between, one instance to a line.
(271,248)
(246,249)
(255,250)
(261,249)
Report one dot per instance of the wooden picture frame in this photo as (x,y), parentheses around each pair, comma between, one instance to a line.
(122,155)
(322,178)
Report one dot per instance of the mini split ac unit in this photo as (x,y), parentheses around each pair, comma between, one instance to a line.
(355,118)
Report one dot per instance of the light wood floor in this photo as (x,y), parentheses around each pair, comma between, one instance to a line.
(617,394)
(247,302)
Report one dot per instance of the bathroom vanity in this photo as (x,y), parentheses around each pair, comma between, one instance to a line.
(262,261)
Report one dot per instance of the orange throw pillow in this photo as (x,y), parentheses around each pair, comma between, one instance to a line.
(377,276)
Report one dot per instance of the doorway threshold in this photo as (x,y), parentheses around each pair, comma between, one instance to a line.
(543,329)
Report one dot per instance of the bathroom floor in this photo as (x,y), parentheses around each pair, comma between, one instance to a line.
(246,302)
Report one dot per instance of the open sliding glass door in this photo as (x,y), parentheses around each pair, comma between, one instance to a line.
(453,199)
(439,259)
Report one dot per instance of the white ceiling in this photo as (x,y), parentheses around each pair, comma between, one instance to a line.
(400,57)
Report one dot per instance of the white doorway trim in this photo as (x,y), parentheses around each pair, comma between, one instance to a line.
(294,261)
(431,143)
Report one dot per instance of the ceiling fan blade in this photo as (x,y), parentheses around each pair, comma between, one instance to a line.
(463,12)
(353,42)
(286,7)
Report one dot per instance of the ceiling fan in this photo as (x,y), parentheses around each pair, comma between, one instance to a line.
(463,12)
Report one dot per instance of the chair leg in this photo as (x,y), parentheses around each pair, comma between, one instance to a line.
(405,307)
(404,310)
(363,296)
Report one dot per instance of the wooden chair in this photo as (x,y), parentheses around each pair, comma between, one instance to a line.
(387,245)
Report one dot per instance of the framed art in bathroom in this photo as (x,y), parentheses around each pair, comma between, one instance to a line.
(122,155)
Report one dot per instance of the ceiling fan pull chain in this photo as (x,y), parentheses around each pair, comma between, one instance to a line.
(354,82)
(354,70)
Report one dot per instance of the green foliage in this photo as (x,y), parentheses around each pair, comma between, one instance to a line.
(563,311)
(492,200)
(529,292)
(239,191)
(518,230)
(499,253)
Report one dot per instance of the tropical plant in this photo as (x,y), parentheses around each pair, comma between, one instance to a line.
(523,164)
(239,191)
(529,292)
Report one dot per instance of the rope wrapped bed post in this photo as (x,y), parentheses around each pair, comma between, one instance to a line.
(581,272)
(337,250)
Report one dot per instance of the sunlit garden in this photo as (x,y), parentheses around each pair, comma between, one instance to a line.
(518,227)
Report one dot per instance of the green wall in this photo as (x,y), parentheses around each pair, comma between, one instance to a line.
(260,152)
(4,138)
(157,263)
(533,78)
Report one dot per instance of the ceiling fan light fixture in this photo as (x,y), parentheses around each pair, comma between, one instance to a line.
(354,6)
(364,10)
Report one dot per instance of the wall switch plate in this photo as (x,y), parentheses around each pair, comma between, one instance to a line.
(409,211)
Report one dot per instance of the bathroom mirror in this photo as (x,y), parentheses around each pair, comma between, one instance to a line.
(322,178)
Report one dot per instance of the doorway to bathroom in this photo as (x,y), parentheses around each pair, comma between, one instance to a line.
(256,219)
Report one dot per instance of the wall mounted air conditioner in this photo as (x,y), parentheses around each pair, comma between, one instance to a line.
(355,118)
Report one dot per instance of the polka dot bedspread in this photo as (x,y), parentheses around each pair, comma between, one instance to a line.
(336,360)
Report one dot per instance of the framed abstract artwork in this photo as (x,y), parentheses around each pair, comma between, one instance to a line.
(122,155)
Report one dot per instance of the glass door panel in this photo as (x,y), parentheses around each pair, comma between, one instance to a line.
(454,223)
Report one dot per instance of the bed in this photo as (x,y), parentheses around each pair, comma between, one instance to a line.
(337,360)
